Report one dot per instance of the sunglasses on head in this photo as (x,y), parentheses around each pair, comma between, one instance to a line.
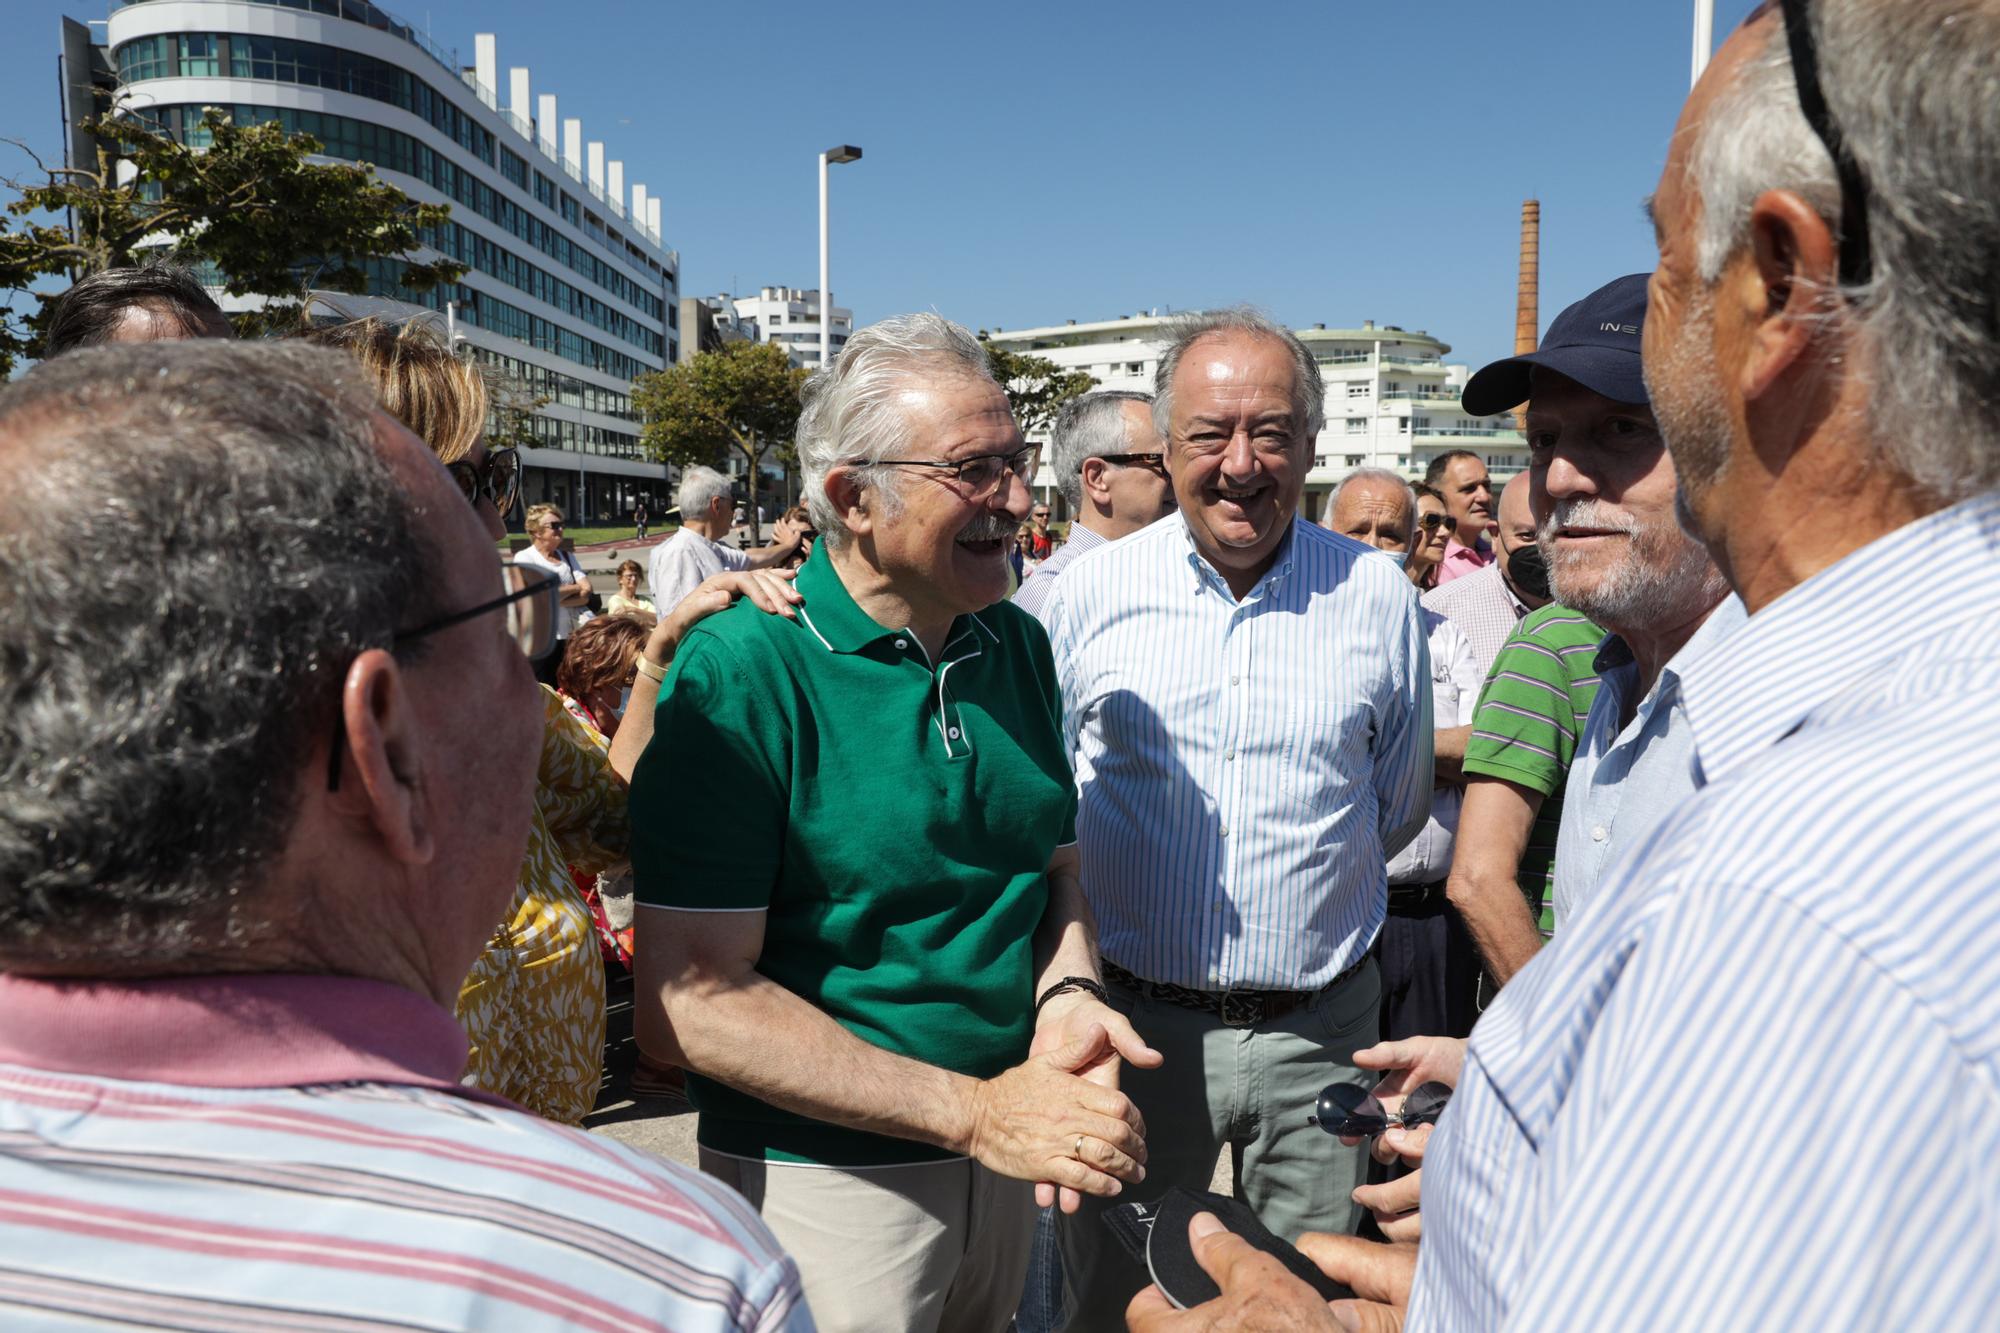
(1855,261)
(498,479)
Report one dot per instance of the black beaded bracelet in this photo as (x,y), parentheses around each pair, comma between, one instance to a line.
(1068,984)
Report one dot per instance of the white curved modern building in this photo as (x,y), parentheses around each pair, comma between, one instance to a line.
(569,290)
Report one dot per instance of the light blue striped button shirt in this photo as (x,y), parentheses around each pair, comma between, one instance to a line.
(1757,1085)
(1243,769)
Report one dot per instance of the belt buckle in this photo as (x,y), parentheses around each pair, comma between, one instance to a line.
(1240,1010)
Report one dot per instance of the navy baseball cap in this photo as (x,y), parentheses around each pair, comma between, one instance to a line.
(1595,342)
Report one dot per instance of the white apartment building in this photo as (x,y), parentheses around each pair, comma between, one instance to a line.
(570,291)
(1391,399)
(789,316)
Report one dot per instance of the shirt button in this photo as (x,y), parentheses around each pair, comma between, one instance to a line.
(953,733)
(1600,833)
(1230,755)
(1225,830)
(1232,680)
(902,643)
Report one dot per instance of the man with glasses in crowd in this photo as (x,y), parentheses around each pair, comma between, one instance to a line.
(1815,933)
(1111,467)
(1248,700)
(861,930)
(268,793)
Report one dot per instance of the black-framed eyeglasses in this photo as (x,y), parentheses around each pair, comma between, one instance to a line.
(531,598)
(1855,262)
(982,473)
(499,480)
(1432,522)
(1154,463)
(1353,1112)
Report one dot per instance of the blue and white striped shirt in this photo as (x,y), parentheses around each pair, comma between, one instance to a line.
(1244,769)
(1757,1085)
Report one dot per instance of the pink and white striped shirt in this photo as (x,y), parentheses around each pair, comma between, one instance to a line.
(295,1153)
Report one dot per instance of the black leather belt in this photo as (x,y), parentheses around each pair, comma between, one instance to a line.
(1236,1008)
(1416,899)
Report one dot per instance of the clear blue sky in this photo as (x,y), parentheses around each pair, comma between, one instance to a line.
(1033,162)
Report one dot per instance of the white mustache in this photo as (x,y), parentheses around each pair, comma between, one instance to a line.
(989,527)
(1584,514)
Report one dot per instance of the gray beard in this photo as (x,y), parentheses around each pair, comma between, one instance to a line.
(1665,578)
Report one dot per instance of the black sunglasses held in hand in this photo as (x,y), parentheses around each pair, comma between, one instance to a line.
(1353,1112)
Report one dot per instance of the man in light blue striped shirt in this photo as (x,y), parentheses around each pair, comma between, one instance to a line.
(1249,700)
(1758,1084)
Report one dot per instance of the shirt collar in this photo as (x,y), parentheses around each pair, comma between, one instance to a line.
(1807,647)
(261,1031)
(838,621)
(1207,576)
(1081,539)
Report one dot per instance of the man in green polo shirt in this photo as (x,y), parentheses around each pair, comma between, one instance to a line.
(863,933)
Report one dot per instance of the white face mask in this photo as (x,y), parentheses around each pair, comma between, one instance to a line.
(624,698)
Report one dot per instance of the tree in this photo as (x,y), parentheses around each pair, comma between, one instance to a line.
(742,396)
(1036,386)
(248,202)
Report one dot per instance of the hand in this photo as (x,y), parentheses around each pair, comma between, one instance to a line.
(1395,1203)
(1028,1122)
(1257,1292)
(1379,1275)
(1066,1019)
(786,533)
(769,590)
(1412,1062)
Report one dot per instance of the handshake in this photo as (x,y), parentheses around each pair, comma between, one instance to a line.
(1258,1291)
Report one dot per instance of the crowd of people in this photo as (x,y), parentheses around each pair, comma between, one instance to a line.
(977,884)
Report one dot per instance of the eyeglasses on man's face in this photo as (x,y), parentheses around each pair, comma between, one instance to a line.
(531,599)
(982,474)
(498,478)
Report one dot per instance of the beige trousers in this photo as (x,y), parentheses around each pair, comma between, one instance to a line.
(935,1247)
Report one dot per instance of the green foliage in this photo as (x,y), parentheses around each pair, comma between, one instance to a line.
(1036,386)
(248,203)
(742,396)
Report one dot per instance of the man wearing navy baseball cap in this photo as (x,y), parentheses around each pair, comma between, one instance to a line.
(1601,486)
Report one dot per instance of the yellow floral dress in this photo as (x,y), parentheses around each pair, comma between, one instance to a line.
(533,1005)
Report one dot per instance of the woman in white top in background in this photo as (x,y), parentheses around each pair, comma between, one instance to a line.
(545,528)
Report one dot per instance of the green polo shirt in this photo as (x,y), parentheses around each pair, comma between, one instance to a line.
(1530,714)
(892,817)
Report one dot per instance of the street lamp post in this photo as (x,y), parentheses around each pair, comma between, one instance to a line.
(846,152)
(1704,36)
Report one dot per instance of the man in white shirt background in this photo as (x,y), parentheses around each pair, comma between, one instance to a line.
(679,564)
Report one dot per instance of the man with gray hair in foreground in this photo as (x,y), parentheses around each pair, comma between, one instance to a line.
(229,1074)
(695,553)
(1109,462)
(1813,937)
(861,930)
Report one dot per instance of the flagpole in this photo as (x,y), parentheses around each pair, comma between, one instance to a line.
(1704,37)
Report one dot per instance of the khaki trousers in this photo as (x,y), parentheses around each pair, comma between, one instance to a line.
(935,1247)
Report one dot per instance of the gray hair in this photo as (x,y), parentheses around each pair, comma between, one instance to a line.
(1089,426)
(195,541)
(698,490)
(1381,476)
(1928,316)
(851,414)
(1184,331)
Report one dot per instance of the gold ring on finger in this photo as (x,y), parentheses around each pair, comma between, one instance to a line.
(1079,1148)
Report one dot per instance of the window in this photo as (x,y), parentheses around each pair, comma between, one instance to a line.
(514,168)
(1357,388)
(1357,425)
(1421,423)
(777,316)
(1354,460)
(198,56)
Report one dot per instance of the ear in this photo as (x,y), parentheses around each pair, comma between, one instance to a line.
(849,499)
(1788,279)
(1093,480)
(382,736)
